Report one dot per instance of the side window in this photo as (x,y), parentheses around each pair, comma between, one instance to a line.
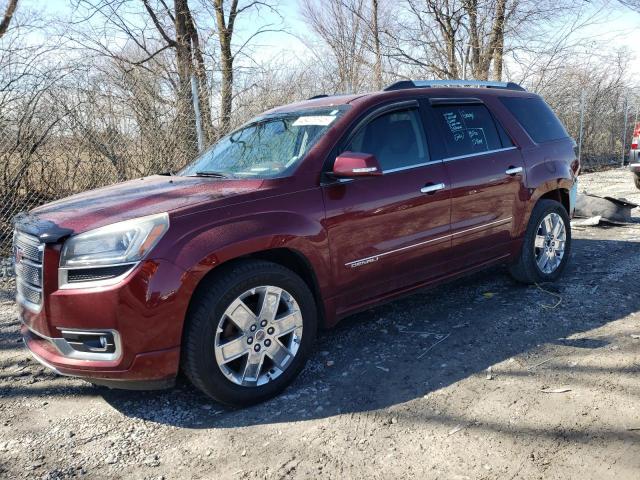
(469,129)
(396,138)
(536,117)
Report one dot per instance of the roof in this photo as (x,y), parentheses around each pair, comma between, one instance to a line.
(406,88)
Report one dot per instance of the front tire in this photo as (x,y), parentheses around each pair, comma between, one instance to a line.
(547,245)
(249,332)
(636,180)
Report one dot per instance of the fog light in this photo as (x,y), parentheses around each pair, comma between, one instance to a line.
(95,342)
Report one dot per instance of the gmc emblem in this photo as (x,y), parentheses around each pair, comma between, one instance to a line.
(19,255)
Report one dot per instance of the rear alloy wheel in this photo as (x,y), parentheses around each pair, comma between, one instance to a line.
(249,332)
(547,244)
(551,238)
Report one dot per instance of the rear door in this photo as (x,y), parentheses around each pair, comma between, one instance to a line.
(487,180)
(388,232)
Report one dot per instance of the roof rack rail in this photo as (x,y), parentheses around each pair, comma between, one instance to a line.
(402,84)
(322,95)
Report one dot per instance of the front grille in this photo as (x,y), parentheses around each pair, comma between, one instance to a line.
(28,253)
(29,272)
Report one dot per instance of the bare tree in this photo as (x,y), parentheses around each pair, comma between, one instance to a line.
(451,38)
(176,31)
(341,26)
(227,14)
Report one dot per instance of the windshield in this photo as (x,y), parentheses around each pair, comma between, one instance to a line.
(267,146)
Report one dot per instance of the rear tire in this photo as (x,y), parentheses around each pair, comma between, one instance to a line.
(244,373)
(534,264)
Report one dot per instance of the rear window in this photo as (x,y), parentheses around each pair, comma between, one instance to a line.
(469,129)
(536,117)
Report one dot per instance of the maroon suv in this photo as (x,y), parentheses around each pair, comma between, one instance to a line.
(306,214)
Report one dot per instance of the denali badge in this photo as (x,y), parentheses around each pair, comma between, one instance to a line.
(359,263)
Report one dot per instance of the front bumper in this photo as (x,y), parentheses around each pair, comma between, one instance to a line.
(635,168)
(144,314)
(149,370)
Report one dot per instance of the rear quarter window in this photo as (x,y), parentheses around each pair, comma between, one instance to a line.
(469,129)
(536,117)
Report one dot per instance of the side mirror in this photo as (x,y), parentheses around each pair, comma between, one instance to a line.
(353,164)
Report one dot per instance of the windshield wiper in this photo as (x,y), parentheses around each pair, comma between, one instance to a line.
(212,174)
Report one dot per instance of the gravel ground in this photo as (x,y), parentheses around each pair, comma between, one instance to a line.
(480,378)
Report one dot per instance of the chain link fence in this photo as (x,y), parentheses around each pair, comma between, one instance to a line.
(59,140)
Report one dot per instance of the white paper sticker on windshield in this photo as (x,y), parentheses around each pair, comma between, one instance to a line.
(315,120)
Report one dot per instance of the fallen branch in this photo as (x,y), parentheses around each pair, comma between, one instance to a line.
(558,296)
(432,346)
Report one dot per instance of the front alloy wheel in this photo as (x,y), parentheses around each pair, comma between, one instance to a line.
(258,336)
(250,329)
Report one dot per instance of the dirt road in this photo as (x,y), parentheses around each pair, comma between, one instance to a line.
(481,378)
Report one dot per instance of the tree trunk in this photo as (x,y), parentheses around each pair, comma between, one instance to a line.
(225,34)
(185,112)
(497,39)
(8,14)
(203,82)
(376,42)
(471,6)
(226,90)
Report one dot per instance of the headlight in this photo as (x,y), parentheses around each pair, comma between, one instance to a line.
(120,243)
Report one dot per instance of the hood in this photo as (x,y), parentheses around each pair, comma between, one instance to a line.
(135,198)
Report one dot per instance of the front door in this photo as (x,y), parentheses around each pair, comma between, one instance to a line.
(486,173)
(388,232)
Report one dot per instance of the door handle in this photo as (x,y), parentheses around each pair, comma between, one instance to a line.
(432,188)
(513,170)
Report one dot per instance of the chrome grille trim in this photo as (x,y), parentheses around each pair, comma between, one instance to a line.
(28,254)
(30,272)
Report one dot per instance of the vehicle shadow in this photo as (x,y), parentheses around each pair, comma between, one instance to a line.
(403,350)
(406,349)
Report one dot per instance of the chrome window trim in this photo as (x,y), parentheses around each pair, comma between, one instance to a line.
(374,258)
(447,159)
(64,284)
(409,167)
(478,154)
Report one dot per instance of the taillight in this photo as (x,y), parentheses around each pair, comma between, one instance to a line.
(634,146)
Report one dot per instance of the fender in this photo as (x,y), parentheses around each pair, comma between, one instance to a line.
(548,169)
(199,243)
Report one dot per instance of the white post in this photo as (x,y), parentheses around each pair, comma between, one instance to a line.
(582,102)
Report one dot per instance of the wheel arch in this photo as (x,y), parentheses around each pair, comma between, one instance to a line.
(287,257)
(560,195)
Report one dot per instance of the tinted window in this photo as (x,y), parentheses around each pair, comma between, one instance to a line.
(468,129)
(536,118)
(396,139)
